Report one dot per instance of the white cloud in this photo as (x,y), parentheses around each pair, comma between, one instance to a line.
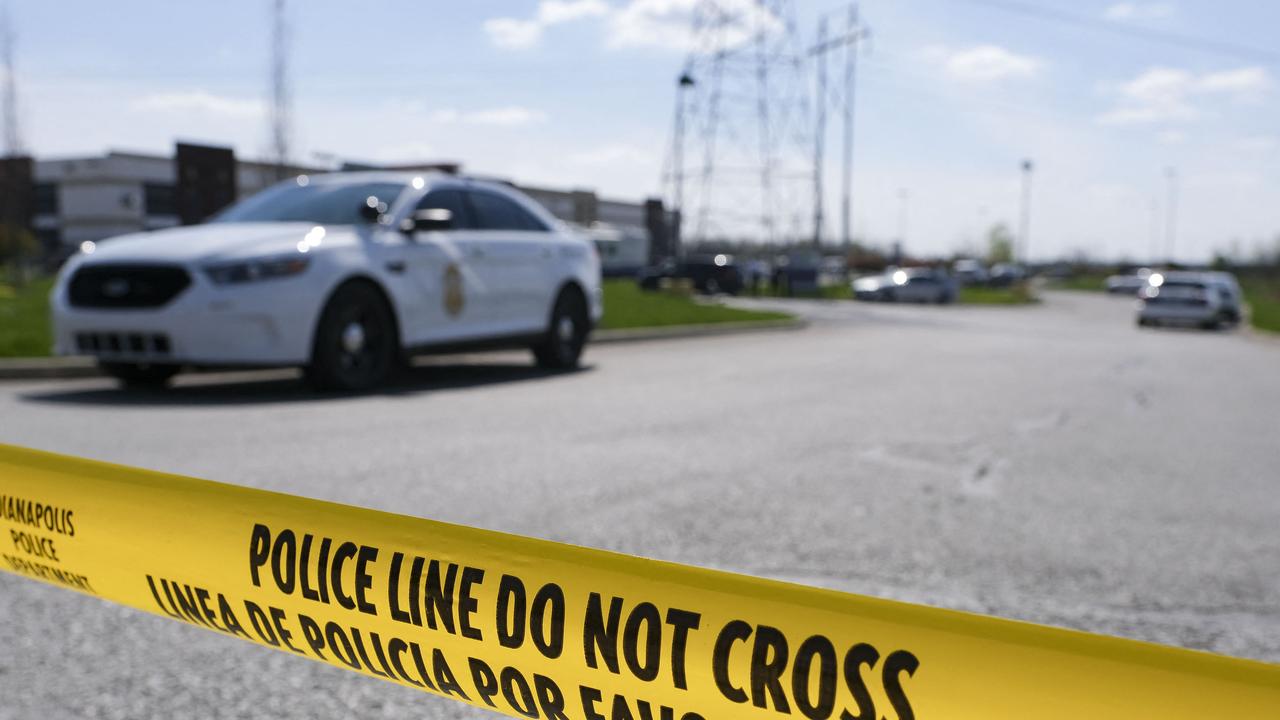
(199,101)
(1139,11)
(667,24)
(1171,137)
(984,63)
(510,116)
(664,24)
(512,33)
(518,34)
(554,12)
(1162,94)
(1246,80)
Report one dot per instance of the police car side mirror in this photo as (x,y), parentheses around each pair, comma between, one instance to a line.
(432,220)
(371,209)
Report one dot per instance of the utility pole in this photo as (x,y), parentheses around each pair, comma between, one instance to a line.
(1171,222)
(12,135)
(848,42)
(280,101)
(854,33)
(1024,233)
(820,133)
(677,158)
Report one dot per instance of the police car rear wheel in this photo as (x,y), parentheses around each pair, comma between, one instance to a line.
(140,375)
(355,345)
(561,347)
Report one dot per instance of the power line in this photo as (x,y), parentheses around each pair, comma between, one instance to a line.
(1189,42)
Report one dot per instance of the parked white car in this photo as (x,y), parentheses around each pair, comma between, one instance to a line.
(342,274)
(1208,300)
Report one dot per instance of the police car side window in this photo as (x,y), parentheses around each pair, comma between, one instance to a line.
(453,201)
(494,212)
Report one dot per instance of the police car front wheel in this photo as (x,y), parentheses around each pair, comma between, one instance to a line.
(355,346)
(561,346)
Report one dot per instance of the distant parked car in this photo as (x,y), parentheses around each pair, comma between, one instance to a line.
(1128,284)
(1208,300)
(907,285)
(710,274)
(1005,274)
(968,271)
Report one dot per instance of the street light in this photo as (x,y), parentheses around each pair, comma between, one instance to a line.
(1024,232)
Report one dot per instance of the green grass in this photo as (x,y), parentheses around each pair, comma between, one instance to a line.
(1016,295)
(627,306)
(1263,297)
(24,318)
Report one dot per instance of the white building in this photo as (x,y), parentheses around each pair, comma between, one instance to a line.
(97,197)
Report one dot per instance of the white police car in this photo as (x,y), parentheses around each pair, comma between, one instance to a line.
(342,274)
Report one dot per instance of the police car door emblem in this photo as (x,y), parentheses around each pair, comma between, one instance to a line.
(453,297)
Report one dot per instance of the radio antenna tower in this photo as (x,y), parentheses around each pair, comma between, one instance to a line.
(12,135)
(280,99)
(740,153)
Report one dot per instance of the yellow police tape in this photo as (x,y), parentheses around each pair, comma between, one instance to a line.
(543,630)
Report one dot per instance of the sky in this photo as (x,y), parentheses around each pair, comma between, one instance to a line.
(952,96)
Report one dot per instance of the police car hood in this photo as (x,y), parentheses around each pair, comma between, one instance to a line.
(214,241)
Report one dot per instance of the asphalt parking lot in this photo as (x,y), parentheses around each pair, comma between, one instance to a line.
(1050,463)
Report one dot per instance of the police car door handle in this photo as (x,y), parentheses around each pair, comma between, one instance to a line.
(395,266)
(477,252)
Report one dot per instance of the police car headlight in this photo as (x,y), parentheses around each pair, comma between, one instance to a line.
(253,270)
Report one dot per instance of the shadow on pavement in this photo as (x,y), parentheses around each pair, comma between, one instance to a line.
(287,386)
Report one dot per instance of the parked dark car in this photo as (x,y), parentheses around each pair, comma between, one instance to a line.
(1006,274)
(710,274)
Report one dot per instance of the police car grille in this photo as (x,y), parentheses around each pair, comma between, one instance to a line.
(126,286)
(123,343)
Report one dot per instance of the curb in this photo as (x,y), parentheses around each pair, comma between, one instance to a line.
(47,368)
(84,367)
(608,337)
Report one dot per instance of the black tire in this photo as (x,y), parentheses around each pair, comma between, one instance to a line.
(566,335)
(355,345)
(140,375)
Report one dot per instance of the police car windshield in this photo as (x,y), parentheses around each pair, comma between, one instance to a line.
(320,203)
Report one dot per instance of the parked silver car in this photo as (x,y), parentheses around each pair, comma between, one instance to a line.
(1208,300)
(907,285)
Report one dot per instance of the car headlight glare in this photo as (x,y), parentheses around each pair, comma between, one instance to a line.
(253,270)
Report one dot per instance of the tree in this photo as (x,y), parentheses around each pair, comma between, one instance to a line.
(16,244)
(999,244)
